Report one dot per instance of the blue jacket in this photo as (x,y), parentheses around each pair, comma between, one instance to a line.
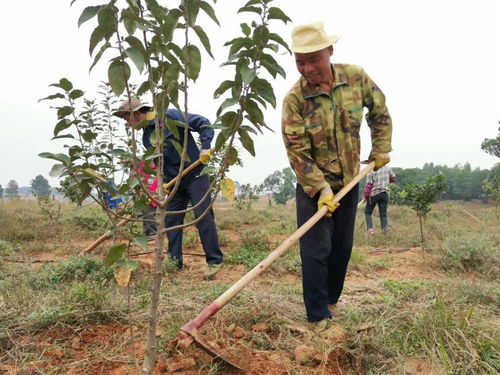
(171,157)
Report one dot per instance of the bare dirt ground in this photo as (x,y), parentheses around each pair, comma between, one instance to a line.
(105,348)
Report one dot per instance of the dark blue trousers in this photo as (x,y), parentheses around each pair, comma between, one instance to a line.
(382,200)
(325,251)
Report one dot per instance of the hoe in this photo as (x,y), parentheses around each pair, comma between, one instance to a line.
(190,330)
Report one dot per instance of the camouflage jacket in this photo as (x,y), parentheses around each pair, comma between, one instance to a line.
(321,130)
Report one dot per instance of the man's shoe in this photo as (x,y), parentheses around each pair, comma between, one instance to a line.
(211,270)
(321,325)
(334,310)
(370,231)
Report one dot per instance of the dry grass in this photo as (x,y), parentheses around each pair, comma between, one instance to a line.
(397,307)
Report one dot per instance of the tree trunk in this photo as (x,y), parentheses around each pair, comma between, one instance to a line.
(150,356)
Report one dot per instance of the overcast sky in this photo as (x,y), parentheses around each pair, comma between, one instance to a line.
(437,61)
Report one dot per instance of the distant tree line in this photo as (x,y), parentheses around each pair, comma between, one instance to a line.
(464,183)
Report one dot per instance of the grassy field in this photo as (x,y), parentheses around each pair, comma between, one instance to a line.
(405,310)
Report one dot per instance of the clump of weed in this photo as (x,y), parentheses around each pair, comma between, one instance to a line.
(289,261)
(6,248)
(254,246)
(90,218)
(170,265)
(223,239)
(190,239)
(72,269)
(471,253)
(474,292)
(358,259)
(449,335)
(407,290)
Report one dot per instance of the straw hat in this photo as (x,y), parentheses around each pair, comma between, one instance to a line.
(135,104)
(311,38)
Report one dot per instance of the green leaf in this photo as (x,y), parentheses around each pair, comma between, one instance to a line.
(278,14)
(173,93)
(237,44)
(252,2)
(224,86)
(118,74)
(92,173)
(229,119)
(203,38)
(227,103)
(232,156)
(221,139)
(274,47)
(264,90)
(172,72)
(63,136)
(178,148)
(208,170)
(140,240)
(143,88)
(207,8)
(119,152)
(137,58)
(64,83)
(171,22)
(95,38)
(272,66)
(89,136)
(278,39)
(103,48)
(114,253)
(88,13)
(217,126)
(75,94)
(108,188)
(174,126)
(247,74)
(246,141)
(133,4)
(106,18)
(151,157)
(56,170)
(254,112)
(192,11)
(64,111)
(137,44)
(59,157)
(130,26)
(61,125)
(245,29)
(194,61)
(250,9)
(51,97)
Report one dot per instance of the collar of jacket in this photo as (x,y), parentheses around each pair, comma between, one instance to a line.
(311,91)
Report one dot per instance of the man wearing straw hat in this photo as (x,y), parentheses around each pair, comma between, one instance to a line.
(322,114)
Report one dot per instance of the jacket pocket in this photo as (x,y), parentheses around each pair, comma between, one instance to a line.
(294,135)
(351,117)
